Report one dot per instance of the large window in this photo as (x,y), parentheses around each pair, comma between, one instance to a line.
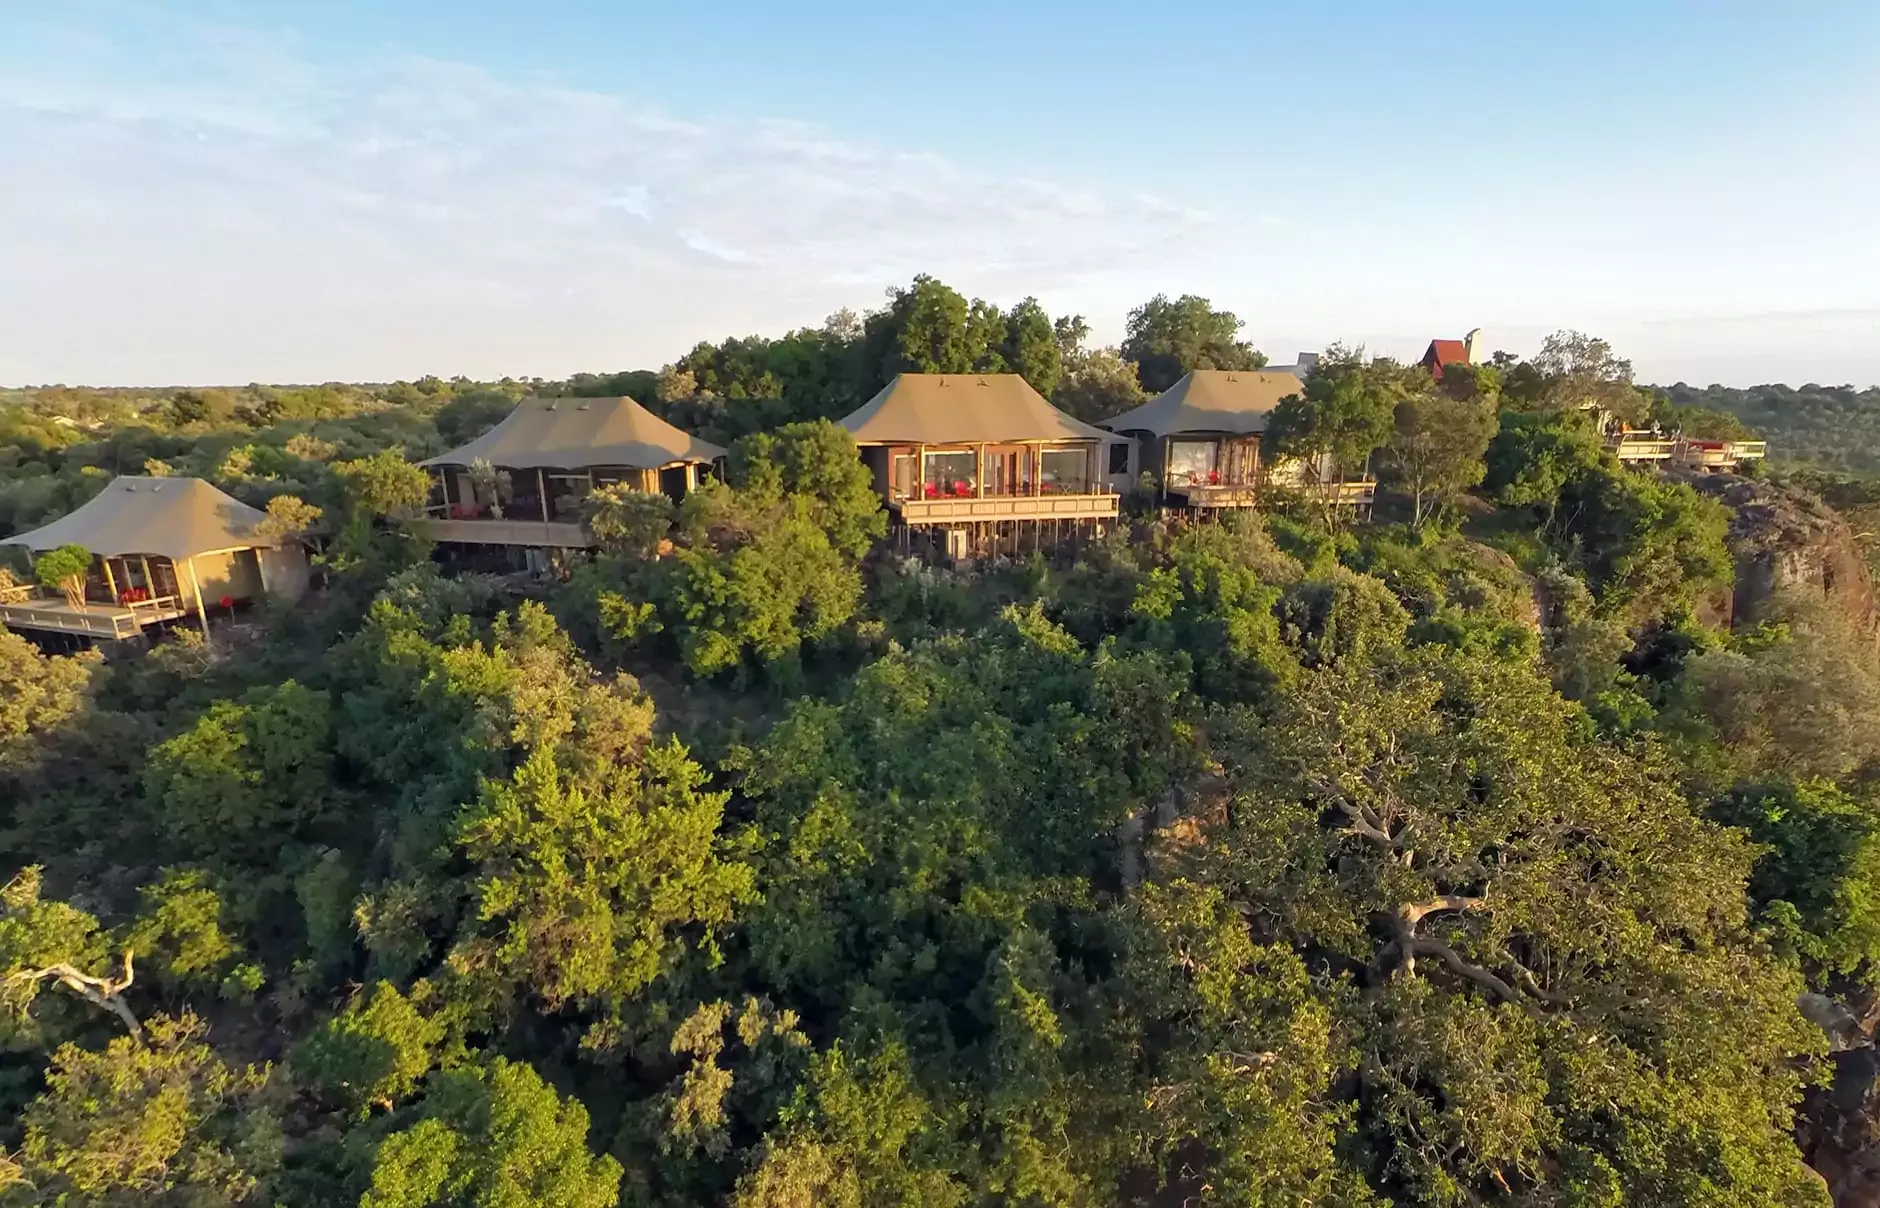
(1064,471)
(905,470)
(1190,461)
(951,474)
(1119,457)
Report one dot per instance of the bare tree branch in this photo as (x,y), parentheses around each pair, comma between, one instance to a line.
(1475,973)
(105,992)
(1413,913)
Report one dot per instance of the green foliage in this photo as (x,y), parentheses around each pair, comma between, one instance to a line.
(492,1137)
(1097,384)
(1799,698)
(586,897)
(180,929)
(247,775)
(1168,338)
(157,1123)
(1533,457)
(1342,414)
(1647,542)
(374,1053)
(1260,860)
(626,521)
(64,569)
(1436,447)
(384,485)
(1818,879)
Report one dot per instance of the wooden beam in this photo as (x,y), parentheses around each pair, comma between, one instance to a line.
(541,491)
(110,580)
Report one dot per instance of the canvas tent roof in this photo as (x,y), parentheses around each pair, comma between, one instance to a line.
(1211,400)
(170,517)
(570,433)
(961,408)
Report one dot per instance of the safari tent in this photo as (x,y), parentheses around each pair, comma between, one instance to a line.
(162,549)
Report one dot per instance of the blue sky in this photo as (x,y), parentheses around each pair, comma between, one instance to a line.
(235,190)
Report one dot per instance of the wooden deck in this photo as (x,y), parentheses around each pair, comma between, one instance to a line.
(1216,495)
(975,510)
(533,533)
(110,621)
(1642,450)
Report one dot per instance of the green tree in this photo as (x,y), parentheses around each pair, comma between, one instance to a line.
(930,328)
(248,775)
(372,1054)
(384,485)
(1097,384)
(1030,348)
(492,1137)
(1818,877)
(65,569)
(157,1123)
(1167,338)
(289,518)
(1436,448)
(1342,414)
(585,896)
(623,520)
(1532,458)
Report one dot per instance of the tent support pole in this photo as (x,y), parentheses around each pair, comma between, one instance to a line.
(195,585)
(110,580)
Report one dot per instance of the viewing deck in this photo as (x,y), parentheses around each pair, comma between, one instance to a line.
(1216,494)
(1635,449)
(969,509)
(32,608)
(539,534)
(1722,454)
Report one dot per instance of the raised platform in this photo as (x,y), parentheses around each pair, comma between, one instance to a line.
(534,533)
(1215,495)
(976,510)
(110,621)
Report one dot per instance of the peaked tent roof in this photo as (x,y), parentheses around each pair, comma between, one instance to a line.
(570,433)
(1211,400)
(954,408)
(169,517)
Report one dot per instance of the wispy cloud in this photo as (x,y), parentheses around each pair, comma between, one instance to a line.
(255,213)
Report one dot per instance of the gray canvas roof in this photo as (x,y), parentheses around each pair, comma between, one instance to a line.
(962,408)
(570,433)
(1210,400)
(169,517)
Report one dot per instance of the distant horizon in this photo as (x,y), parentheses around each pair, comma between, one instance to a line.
(288,190)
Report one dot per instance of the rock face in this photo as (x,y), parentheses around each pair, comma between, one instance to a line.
(1837,1128)
(1785,538)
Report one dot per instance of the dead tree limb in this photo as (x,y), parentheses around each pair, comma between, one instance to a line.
(105,992)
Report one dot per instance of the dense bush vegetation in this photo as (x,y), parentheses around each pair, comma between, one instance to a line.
(1273,860)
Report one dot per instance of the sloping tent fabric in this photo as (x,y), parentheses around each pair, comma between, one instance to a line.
(962,408)
(572,433)
(173,518)
(1210,400)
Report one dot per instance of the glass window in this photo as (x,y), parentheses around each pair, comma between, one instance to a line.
(955,474)
(903,475)
(1190,461)
(1064,471)
(1119,457)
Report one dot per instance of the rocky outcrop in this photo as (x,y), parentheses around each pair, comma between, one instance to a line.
(1784,539)
(1838,1126)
